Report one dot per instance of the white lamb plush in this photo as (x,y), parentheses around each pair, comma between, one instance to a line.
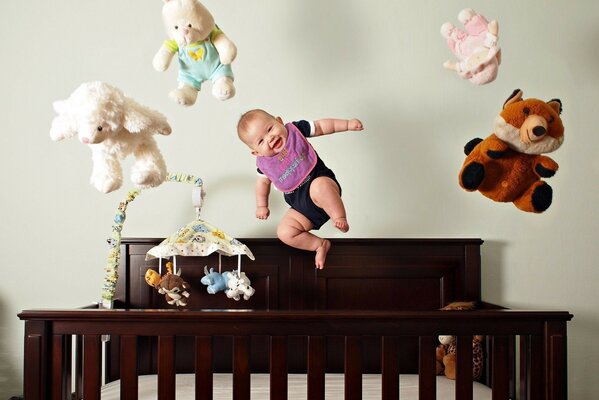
(113,126)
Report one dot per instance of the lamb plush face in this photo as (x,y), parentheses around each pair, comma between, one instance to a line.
(94,111)
(187,21)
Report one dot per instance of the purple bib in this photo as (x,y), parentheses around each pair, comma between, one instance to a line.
(288,169)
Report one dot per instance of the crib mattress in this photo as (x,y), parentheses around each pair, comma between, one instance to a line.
(334,387)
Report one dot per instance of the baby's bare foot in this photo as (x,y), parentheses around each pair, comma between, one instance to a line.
(321,253)
(341,224)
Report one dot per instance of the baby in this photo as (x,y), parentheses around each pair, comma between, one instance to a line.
(286,159)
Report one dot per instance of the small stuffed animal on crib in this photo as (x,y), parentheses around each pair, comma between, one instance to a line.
(446,351)
(508,166)
(476,49)
(113,126)
(238,285)
(215,281)
(204,51)
(447,356)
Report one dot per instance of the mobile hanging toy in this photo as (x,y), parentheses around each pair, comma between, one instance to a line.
(171,285)
(198,238)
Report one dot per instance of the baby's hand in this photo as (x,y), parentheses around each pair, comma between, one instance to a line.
(354,125)
(262,212)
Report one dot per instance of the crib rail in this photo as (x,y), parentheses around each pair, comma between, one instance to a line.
(48,340)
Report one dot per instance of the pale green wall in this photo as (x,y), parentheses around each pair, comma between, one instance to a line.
(379,61)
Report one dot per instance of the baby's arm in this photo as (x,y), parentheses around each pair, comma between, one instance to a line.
(262,192)
(330,125)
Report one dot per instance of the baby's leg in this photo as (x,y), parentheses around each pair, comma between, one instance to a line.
(294,230)
(325,194)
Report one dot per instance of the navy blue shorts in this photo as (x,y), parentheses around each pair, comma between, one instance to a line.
(301,201)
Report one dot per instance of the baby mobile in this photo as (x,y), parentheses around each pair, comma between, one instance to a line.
(197,238)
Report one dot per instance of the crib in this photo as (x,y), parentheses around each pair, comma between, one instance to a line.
(371,317)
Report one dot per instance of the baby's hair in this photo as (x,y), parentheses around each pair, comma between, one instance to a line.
(246,119)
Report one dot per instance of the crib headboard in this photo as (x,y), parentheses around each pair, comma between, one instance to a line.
(360,274)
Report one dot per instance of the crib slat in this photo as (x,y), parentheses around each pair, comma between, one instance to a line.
(353,368)
(500,379)
(463,382)
(278,368)
(241,368)
(61,367)
(316,367)
(166,368)
(57,359)
(203,365)
(427,379)
(390,367)
(91,367)
(128,357)
(555,359)
(531,368)
(78,368)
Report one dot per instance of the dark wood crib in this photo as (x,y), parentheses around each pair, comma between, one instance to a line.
(372,310)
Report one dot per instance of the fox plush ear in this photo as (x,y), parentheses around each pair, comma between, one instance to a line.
(514,97)
(556,104)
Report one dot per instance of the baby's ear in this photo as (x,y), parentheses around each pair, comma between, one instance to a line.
(279,119)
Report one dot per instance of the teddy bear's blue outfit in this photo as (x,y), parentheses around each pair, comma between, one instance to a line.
(199,61)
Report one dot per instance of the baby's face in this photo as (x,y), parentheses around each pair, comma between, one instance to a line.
(266,135)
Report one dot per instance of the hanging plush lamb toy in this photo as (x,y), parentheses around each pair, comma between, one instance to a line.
(204,51)
(113,126)
(476,48)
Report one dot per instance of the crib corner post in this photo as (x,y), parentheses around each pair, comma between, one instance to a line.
(36,360)
(555,349)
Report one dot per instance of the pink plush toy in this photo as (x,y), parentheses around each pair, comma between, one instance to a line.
(476,49)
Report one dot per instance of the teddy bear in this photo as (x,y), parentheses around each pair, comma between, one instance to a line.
(476,49)
(113,126)
(446,356)
(204,51)
(508,166)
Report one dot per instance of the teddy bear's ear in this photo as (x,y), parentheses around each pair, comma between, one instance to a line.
(514,97)
(556,104)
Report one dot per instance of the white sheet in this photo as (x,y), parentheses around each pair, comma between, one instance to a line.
(371,387)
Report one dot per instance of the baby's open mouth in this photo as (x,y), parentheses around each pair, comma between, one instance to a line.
(277,143)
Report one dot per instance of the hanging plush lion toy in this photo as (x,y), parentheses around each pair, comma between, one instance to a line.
(509,165)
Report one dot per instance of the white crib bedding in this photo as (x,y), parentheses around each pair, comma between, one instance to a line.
(297,388)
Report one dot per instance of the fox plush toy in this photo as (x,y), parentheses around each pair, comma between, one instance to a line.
(508,166)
